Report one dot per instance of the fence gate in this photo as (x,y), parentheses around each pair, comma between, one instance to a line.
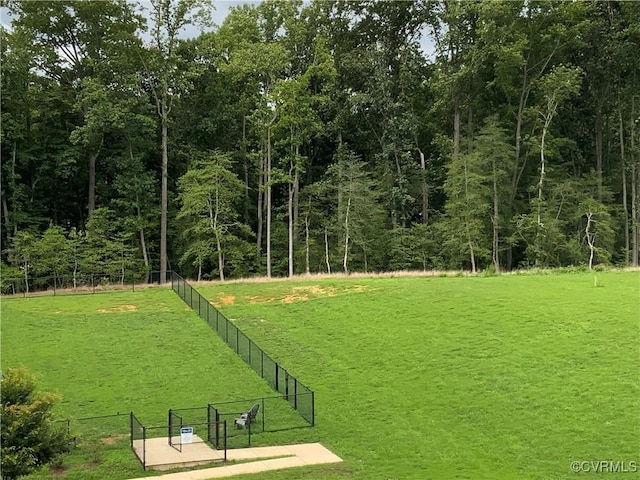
(175,427)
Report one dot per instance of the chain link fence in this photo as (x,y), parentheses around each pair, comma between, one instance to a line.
(79,283)
(297,394)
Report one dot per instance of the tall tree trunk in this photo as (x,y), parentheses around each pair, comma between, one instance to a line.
(13,186)
(472,256)
(296,196)
(425,188)
(364,257)
(524,96)
(213,219)
(220,256)
(598,145)
(326,249)
(625,207)
(260,211)
(143,243)
(268,182)
(545,129)
(306,242)
(345,259)
(290,215)
(635,187)
(590,239)
(245,168)
(91,204)
(164,191)
(496,220)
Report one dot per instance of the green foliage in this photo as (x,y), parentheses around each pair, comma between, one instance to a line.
(53,253)
(208,194)
(29,440)
(480,119)
(352,193)
(108,247)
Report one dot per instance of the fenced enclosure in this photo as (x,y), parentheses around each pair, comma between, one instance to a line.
(298,395)
(105,429)
(143,438)
(273,414)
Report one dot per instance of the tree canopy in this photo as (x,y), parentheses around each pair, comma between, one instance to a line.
(319,136)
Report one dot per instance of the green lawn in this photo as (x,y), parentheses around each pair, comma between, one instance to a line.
(507,377)
(143,351)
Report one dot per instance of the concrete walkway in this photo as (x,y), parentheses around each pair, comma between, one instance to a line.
(291,456)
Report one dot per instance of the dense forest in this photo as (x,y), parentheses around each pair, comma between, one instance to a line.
(319,136)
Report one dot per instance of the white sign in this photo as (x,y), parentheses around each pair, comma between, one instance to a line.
(186,435)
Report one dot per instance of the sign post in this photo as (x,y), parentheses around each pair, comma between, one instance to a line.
(186,435)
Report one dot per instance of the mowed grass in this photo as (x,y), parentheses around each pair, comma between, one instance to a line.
(143,351)
(506,377)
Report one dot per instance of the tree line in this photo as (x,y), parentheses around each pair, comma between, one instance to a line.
(321,136)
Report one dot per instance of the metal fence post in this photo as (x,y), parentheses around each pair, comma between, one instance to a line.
(144,447)
(218,431)
(169,427)
(313,409)
(286,385)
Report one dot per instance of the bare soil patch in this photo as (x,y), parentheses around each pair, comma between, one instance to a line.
(305,293)
(114,439)
(225,299)
(119,308)
(295,298)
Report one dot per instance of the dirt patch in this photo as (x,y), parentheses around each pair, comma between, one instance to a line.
(225,299)
(295,298)
(317,290)
(305,293)
(256,300)
(58,471)
(114,439)
(119,308)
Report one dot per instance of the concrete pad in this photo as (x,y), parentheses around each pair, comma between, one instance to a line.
(159,455)
(292,456)
(257,452)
